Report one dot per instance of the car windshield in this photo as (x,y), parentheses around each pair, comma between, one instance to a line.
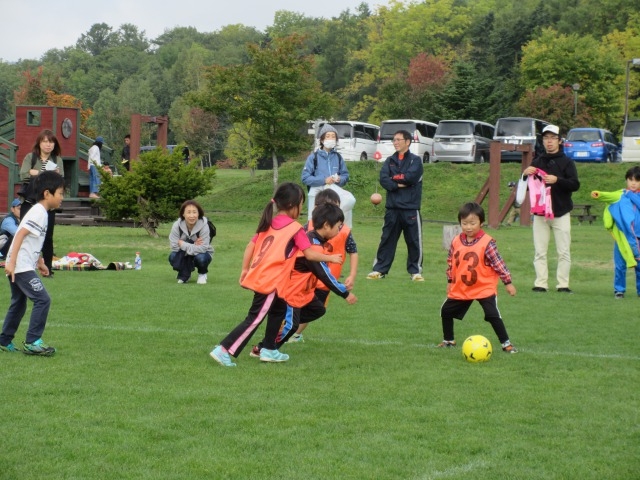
(389,129)
(632,129)
(583,136)
(514,127)
(454,128)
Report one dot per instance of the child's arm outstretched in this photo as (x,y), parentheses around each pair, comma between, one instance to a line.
(315,256)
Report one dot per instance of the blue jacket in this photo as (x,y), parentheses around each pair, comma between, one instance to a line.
(407,172)
(328,163)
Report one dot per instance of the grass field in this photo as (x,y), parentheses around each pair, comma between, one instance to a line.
(132,392)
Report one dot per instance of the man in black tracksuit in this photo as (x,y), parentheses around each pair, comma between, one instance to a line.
(401,177)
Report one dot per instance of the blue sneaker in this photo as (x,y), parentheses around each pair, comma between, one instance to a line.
(222,357)
(11,348)
(38,348)
(273,356)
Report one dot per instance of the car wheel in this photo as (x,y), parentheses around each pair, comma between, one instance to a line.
(610,158)
(481,159)
(363,156)
(426,158)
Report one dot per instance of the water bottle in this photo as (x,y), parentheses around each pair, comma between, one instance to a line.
(138,262)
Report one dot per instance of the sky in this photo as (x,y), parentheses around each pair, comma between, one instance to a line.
(36,26)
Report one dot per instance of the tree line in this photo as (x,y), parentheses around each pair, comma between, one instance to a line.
(432,60)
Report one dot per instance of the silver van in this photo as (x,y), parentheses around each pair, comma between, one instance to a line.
(462,141)
(422,137)
(519,131)
(631,141)
(356,140)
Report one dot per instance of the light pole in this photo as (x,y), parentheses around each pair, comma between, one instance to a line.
(634,61)
(576,87)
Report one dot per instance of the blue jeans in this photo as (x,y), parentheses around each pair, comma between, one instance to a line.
(620,272)
(94,179)
(26,285)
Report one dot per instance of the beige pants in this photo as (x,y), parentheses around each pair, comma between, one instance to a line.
(542,229)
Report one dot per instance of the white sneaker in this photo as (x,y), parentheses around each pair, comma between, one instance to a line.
(375,276)
(180,281)
(416,277)
(202,278)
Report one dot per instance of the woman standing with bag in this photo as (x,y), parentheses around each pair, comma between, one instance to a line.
(46,155)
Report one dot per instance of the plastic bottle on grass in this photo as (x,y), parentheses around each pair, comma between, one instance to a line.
(138,262)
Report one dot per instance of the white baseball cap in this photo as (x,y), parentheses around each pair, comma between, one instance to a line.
(551,128)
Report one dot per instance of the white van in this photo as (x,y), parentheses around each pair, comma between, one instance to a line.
(356,140)
(519,131)
(631,141)
(462,141)
(421,143)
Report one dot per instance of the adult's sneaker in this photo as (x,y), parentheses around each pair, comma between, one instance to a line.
(202,278)
(38,348)
(222,357)
(11,348)
(417,277)
(273,356)
(375,276)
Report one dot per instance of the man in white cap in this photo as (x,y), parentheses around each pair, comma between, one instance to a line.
(95,162)
(561,175)
(325,168)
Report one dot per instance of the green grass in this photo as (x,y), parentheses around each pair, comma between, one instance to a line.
(132,392)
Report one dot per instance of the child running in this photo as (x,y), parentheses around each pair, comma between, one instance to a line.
(342,243)
(22,260)
(303,302)
(622,219)
(266,267)
(474,266)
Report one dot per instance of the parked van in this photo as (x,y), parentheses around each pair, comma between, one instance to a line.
(631,141)
(421,143)
(462,141)
(519,131)
(356,140)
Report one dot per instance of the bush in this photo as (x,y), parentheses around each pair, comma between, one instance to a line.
(155,188)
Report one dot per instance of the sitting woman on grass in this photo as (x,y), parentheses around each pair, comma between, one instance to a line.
(190,243)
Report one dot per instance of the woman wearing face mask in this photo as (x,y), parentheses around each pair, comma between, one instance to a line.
(325,168)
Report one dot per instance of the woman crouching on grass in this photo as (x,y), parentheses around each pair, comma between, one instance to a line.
(190,243)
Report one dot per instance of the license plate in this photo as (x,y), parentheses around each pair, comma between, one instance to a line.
(515,142)
(582,154)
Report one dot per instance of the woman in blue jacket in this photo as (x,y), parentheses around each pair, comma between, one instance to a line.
(325,168)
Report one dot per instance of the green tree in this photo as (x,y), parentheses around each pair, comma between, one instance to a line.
(556,105)
(99,37)
(200,130)
(276,91)
(155,188)
(240,147)
(557,59)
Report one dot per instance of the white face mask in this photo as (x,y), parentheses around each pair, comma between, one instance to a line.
(329,143)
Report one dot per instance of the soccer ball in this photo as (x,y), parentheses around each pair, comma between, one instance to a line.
(376,198)
(476,349)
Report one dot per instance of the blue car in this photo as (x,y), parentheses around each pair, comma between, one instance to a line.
(591,145)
